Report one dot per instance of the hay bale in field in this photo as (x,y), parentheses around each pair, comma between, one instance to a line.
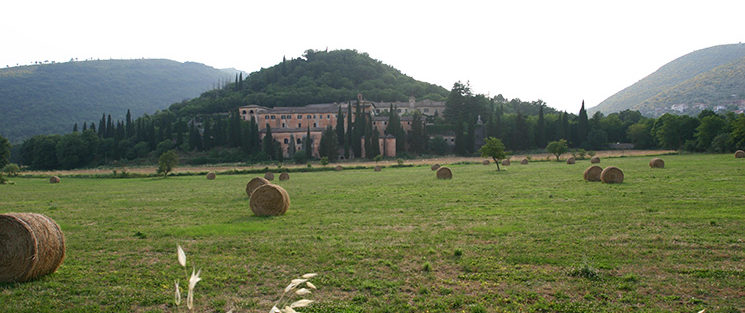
(657,163)
(435,166)
(611,175)
(592,173)
(269,200)
(378,168)
(485,162)
(570,160)
(338,168)
(32,245)
(254,183)
(524,161)
(269,176)
(594,160)
(739,154)
(284,176)
(506,162)
(54,180)
(444,173)
(211,176)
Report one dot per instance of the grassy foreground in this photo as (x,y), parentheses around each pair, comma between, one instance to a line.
(532,238)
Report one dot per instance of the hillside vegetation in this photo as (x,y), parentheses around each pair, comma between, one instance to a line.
(50,98)
(708,76)
(317,77)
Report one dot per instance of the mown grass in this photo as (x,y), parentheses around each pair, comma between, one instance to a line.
(532,238)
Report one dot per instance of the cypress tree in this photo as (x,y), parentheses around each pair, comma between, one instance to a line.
(85,127)
(358,131)
(109,127)
(128,130)
(540,129)
(102,126)
(75,128)
(268,143)
(582,129)
(308,145)
(339,128)
(348,141)
(291,149)
(195,139)
(93,127)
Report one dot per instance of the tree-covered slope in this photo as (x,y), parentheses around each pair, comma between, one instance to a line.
(50,98)
(317,77)
(698,77)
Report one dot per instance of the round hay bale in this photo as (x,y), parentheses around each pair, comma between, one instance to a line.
(435,166)
(570,160)
(254,183)
(338,168)
(506,162)
(524,161)
(32,246)
(284,176)
(592,173)
(211,176)
(594,160)
(269,200)
(269,176)
(444,173)
(657,163)
(739,154)
(611,175)
(485,162)
(54,180)
(378,168)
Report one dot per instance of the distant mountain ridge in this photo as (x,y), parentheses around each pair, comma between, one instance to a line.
(711,78)
(50,98)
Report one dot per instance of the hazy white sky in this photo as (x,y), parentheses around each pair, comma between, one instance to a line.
(559,51)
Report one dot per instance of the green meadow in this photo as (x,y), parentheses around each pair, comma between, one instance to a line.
(534,238)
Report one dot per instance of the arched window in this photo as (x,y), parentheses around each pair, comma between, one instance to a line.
(287,141)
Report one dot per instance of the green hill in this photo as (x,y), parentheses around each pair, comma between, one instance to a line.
(317,77)
(703,79)
(50,98)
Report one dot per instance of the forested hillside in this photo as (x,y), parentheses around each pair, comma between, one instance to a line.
(317,77)
(50,98)
(701,77)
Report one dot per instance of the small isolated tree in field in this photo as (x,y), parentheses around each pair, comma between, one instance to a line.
(557,148)
(167,161)
(493,148)
(11,169)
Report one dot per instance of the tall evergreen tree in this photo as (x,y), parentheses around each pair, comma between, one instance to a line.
(93,127)
(291,149)
(85,126)
(582,129)
(102,126)
(268,144)
(109,127)
(129,130)
(358,131)
(348,141)
(540,129)
(340,128)
(329,144)
(417,136)
(308,145)
(75,128)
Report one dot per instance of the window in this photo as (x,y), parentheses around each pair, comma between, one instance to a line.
(251,112)
(244,112)
(452,139)
(385,123)
(308,116)
(320,116)
(299,141)
(300,117)
(283,126)
(315,124)
(266,117)
(273,116)
(377,110)
(408,123)
(299,125)
(398,110)
(314,116)
(426,110)
(328,116)
(287,141)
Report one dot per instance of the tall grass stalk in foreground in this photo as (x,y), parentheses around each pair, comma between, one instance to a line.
(193,280)
(297,287)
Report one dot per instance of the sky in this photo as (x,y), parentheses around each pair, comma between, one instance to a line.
(561,52)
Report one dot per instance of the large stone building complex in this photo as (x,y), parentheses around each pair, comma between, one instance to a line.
(292,123)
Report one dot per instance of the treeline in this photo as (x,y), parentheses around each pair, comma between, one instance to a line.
(708,132)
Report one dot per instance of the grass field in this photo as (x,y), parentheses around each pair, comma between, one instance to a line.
(532,238)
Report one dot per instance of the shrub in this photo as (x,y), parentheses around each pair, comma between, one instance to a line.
(11,169)
(400,162)
(324,161)
(167,161)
